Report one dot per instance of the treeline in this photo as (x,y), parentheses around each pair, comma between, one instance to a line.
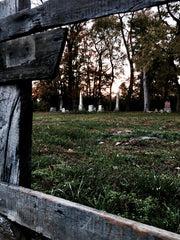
(98,53)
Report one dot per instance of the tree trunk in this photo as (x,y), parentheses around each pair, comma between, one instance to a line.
(178,96)
(177,84)
(131,84)
(130,54)
(110,98)
(112,80)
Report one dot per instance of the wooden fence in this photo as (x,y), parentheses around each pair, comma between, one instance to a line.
(28,52)
(59,219)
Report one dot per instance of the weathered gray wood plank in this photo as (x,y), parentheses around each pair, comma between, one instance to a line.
(61,12)
(64,220)
(15,130)
(32,57)
(15,124)
(8,7)
(6,232)
(15,133)
(9,120)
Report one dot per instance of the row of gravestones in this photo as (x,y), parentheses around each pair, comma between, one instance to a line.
(91,108)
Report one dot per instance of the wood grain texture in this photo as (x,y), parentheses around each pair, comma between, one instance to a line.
(32,57)
(6,232)
(8,7)
(59,219)
(13,231)
(9,138)
(15,134)
(15,124)
(61,12)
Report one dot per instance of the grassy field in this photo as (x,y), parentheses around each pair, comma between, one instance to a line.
(124,163)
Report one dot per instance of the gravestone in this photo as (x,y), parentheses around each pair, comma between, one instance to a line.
(52,109)
(91,108)
(100,108)
(80,107)
(167,107)
(117,103)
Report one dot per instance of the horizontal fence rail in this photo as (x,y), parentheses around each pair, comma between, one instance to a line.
(57,218)
(35,56)
(62,12)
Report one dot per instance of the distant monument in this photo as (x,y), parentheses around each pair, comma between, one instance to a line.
(80,107)
(117,103)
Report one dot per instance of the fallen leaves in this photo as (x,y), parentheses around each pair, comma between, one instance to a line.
(70,150)
(122,132)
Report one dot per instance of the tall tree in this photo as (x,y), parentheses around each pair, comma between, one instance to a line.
(152,39)
(126,32)
(172,10)
(98,36)
(70,73)
(115,55)
(87,65)
(107,42)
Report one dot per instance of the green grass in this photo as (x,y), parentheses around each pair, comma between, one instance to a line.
(124,163)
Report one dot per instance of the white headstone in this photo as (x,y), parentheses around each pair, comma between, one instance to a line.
(117,102)
(90,108)
(100,108)
(80,107)
(52,109)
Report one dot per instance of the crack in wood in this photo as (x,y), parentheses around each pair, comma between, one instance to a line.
(7,170)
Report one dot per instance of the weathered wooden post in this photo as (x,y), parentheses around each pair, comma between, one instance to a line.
(18,58)
(15,115)
(15,124)
(22,59)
